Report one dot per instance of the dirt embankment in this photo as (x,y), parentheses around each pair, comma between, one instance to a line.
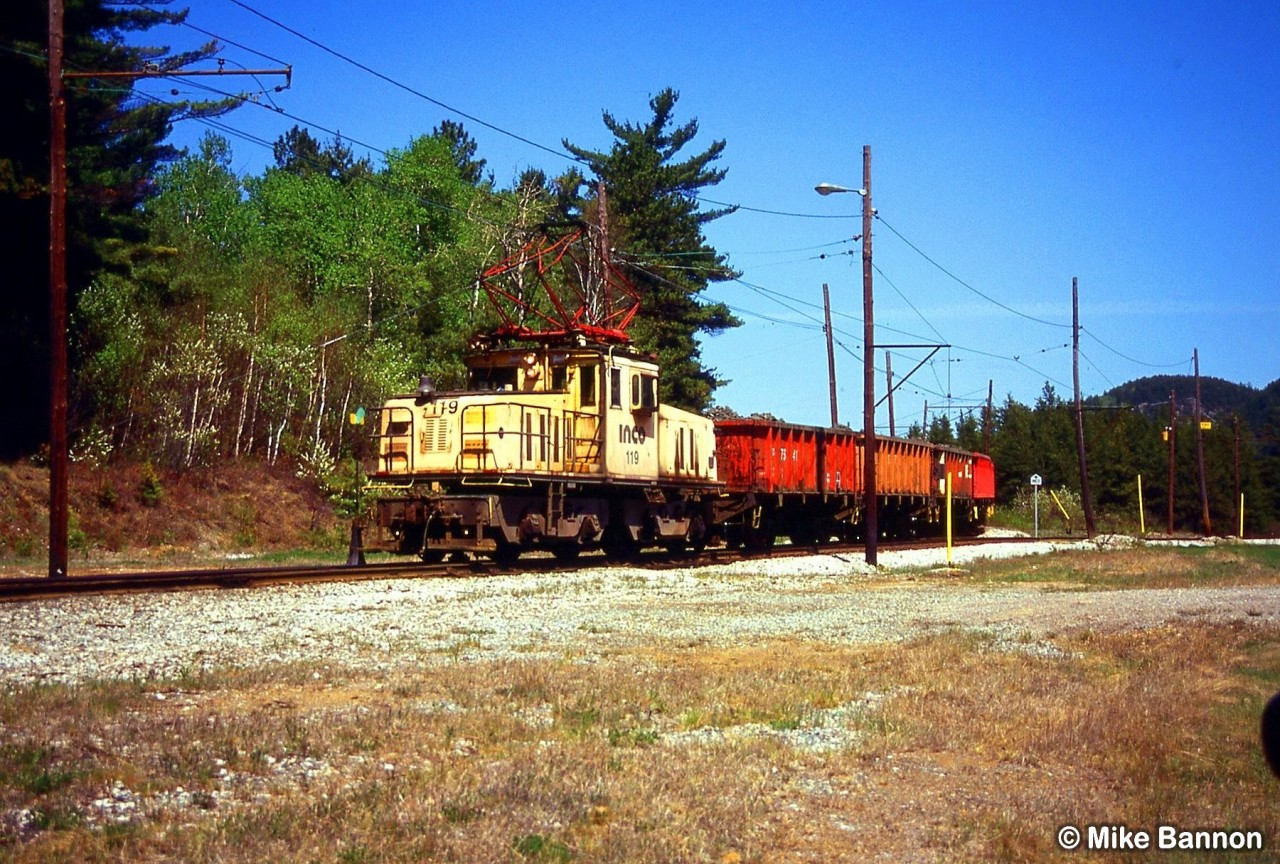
(128,509)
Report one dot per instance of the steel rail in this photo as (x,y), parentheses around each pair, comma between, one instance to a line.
(42,587)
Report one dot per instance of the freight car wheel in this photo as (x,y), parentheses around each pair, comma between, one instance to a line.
(567,553)
(432,556)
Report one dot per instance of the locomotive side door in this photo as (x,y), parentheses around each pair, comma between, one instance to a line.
(631,420)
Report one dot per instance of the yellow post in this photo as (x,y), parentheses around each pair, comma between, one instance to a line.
(1241,515)
(1142,516)
(1065,514)
(948,518)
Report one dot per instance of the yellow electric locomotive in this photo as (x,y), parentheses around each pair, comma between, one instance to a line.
(559,442)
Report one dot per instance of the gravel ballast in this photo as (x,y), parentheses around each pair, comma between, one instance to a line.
(587,614)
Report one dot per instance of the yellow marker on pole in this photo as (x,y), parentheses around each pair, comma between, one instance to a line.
(948,518)
(1241,515)
(1142,516)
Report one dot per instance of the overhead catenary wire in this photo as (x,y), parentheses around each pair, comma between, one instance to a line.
(405,87)
(966,285)
(559,153)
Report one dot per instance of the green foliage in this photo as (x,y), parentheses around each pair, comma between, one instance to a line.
(654,217)
(149,489)
(286,298)
(32,769)
(1123,442)
(114,144)
(536,847)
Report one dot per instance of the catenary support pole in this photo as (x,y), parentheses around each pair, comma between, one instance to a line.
(1235,460)
(831,354)
(1173,449)
(1075,372)
(888,375)
(1205,522)
(58,453)
(870,504)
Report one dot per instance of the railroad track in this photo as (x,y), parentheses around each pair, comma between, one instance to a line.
(31,588)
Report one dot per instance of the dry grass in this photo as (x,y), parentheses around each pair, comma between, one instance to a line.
(1141,567)
(952,748)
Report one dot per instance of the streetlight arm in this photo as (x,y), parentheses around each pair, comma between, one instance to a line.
(832,188)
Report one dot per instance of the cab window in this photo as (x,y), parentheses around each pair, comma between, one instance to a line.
(615,387)
(587,385)
(644,392)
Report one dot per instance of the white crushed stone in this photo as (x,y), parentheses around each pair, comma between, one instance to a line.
(585,615)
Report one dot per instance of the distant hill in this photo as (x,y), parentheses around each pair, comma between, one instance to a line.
(1220,398)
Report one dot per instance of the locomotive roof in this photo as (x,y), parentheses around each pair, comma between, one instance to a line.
(478,355)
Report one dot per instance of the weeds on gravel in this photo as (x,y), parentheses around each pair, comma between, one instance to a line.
(957,746)
(1140,567)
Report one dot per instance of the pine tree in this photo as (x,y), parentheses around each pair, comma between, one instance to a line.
(656,226)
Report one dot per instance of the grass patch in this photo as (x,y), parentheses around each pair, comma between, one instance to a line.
(1140,567)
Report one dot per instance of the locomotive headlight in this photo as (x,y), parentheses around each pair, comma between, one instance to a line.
(426,389)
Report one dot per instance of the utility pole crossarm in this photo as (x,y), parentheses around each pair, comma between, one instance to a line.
(914,370)
(287,72)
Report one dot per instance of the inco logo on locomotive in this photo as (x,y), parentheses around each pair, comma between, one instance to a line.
(630,434)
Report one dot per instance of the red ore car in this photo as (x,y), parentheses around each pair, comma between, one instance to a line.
(805,483)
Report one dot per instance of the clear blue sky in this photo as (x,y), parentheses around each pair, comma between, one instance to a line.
(1134,145)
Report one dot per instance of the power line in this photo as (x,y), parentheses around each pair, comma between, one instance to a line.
(1131,359)
(237,44)
(374,179)
(953,276)
(474,119)
(405,87)
(761,209)
(926,321)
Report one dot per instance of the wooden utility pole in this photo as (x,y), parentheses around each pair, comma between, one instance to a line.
(1173,448)
(59,456)
(831,354)
(924,422)
(1205,521)
(1235,450)
(869,491)
(986,420)
(1075,371)
(888,375)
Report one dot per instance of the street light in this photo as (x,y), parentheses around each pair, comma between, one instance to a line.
(870,517)
(831,189)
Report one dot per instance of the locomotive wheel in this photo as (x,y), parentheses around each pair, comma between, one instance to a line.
(619,544)
(506,554)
